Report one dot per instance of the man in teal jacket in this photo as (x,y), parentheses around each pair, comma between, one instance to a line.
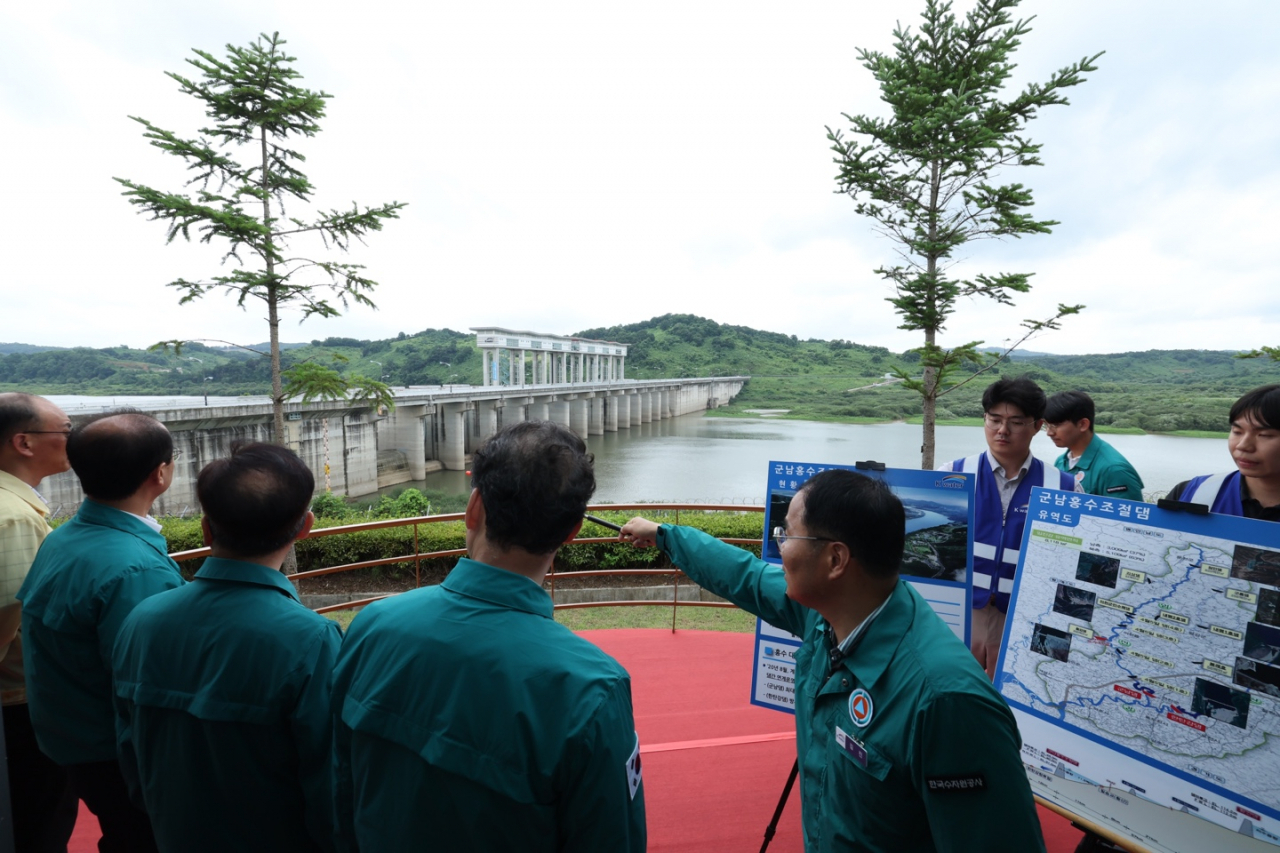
(903,743)
(222,686)
(1098,467)
(88,576)
(466,718)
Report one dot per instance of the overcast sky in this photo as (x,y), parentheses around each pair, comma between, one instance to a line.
(572,164)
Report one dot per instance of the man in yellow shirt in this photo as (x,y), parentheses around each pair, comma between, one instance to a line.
(33,445)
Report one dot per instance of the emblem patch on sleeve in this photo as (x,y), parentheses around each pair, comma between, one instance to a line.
(954,784)
(633,769)
(1114,489)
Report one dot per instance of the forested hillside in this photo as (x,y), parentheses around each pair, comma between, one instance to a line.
(1158,390)
(431,357)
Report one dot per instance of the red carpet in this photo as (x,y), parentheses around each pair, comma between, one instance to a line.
(714,765)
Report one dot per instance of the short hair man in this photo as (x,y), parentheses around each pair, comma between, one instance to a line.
(1098,467)
(1006,472)
(466,718)
(903,743)
(1253,489)
(33,445)
(222,686)
(89,575)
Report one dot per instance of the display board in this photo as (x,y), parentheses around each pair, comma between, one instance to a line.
(936,562)
(1141,658)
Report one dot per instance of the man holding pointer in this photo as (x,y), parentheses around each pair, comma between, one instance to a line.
(903,743)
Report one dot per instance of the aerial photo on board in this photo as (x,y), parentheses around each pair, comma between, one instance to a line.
(937,534)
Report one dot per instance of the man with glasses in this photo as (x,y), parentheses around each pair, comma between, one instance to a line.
(33,445)
(902,742)
(1097,466)
(1006,473)
(89,575)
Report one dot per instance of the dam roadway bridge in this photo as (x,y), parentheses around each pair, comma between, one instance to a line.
(431,428)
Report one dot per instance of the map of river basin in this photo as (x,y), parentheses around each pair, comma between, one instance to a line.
(1150,640)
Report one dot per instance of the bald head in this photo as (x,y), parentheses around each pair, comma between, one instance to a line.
(116,453)
(33,437)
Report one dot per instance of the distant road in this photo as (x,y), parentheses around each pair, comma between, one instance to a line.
(876,385)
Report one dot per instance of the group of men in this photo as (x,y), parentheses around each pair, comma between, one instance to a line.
(222,714)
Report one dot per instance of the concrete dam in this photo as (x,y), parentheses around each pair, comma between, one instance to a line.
(430,429)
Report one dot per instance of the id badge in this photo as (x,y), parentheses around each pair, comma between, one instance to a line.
(851,746)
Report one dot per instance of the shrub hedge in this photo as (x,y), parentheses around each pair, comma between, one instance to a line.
(184,534)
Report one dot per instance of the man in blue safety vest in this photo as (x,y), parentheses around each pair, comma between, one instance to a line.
(1013,412)
(1253,489)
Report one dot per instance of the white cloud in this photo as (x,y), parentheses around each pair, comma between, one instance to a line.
(571,165)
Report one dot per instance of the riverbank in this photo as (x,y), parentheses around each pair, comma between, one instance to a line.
(918,420)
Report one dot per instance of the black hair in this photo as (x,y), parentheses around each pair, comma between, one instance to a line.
(862,513)
(17,413)
(1261,405)
(1016,391)
(1072,406)
(113,453)
(255,500)
(534,479)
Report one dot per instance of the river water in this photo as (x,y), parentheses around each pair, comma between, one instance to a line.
(703,459)
(695,458)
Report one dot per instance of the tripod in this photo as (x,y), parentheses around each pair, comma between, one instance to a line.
(772,828)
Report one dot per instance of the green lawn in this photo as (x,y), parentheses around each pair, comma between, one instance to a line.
(593,618)
(687,618)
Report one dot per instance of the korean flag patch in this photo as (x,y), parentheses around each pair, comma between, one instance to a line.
(633,769)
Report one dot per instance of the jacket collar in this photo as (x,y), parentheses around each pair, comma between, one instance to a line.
(101,515)
(238,571)
(996,466)
(10,483)
(871,657)
(498,586)
(1090,453)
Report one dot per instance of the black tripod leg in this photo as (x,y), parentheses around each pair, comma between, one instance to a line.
(777,813)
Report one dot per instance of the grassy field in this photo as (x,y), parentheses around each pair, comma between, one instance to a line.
(595,618)
(687,618)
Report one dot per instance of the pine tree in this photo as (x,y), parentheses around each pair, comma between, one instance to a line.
(257,107)
(926,174)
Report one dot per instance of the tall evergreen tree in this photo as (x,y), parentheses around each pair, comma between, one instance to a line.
(926,175)
(256,106)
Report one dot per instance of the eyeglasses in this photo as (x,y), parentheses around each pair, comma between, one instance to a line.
(46,432)
(996,422)
(177,454)
(781,535)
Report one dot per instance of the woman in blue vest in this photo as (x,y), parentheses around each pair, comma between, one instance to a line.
(1013,412)
(1253,489)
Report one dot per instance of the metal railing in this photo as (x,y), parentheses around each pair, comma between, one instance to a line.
(418,556)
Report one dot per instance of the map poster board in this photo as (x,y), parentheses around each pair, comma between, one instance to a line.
(936,561)
(1141,658)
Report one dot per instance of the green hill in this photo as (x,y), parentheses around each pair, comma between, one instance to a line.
(1157,390)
